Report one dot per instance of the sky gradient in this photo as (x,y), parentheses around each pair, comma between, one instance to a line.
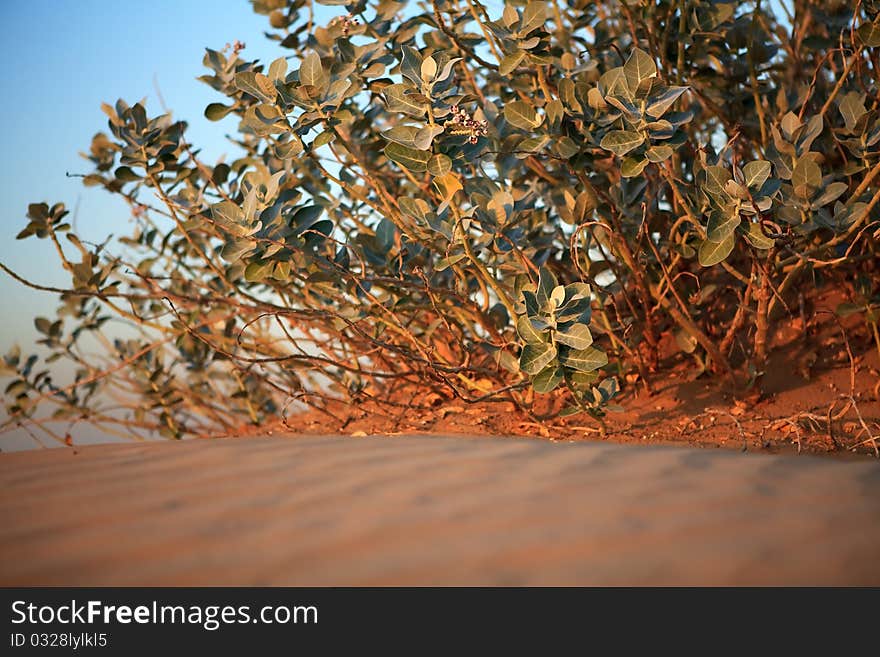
(67,58)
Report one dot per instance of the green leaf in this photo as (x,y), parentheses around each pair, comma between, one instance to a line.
(534,144)
(716,181)
(806,173)
(722,223)
(577,336)
(335,92)
(756,237)
(227,213)
(869,33)
(844,215)
(446,71)
(711,253)
(555,110)
(511,61)
(311,71)
(528,332)
(577,291)
(415,207)
(428,69)
(397,100)
(235,249)
(533,17)
(306,216)
(521,115)
(216,111)
(661,129)
(323,139)
(42,325)
(411,65)
(852,108)
(640,66)
(661,102)
(831,193)
(258,270)
(568,96)
(630,109)
(288,149)
(548,379)
(408,158)
(813,129)
(445,263)
(735,190)
(621,142)
(385,233)
(546,284)
(535,357)
(659,153)
(403,134)
(257,85)
(609,388)
(565,147)
(789,124)
(509,15)
(278,69)
(756,173)
(613,83)
(425,137)
(632,166)
(439,165)
(264,119)
(447,184)
(501,205)
(584,360)
(126,174)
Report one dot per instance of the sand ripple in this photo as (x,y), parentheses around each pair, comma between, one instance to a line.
(432,510)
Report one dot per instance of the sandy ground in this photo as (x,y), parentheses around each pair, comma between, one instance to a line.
(433,510)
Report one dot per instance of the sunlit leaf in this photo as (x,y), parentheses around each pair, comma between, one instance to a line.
(584,360)
(522,115)
(311,72)
(409,158)
(639,67)
(711,253)
(536,356)
(621,142)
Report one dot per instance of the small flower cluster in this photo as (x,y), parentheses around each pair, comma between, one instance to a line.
(345,22)
(463,123)
(236,46)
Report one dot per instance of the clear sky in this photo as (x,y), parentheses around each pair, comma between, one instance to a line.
(64,58)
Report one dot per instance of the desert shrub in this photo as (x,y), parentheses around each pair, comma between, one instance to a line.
(476,201)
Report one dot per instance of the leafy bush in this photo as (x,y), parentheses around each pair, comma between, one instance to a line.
(458,198)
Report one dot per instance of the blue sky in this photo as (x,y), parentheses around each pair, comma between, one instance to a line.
(66,57)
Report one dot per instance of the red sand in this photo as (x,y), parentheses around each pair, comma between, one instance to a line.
(433,510)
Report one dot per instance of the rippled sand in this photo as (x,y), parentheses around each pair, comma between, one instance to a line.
(433,510)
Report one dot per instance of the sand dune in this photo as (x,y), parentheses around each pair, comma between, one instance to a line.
(432,510)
